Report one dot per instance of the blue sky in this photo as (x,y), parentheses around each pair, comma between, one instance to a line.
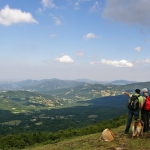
(101,40)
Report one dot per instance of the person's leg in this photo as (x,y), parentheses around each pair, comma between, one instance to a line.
(136,114)
(144,119)
(148,117)
(129,120)
(147,121)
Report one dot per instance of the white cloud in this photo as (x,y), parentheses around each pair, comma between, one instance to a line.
(95,7)
(116,63)
(78,3)
(48,3)
(138,49)
(79,53)
(142,63)
(147,61)
(10,16)
(64,59)
(121,63)
(57,20)
(90,36)
(128,11)
(94,56)
(93,63)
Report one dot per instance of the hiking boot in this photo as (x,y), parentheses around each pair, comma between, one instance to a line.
(126,132)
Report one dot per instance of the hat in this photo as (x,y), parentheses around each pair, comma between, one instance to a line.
(137,91)
(144,90)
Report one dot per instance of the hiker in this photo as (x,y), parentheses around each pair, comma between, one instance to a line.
(135,110)
(144,112)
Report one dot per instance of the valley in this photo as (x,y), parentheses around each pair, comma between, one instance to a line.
(37,108)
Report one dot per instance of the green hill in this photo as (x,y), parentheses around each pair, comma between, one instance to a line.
(78,139)
(25,101)
(93,142)
(68,90)
(36,85)
(24,140)
(53,120)
(87,91)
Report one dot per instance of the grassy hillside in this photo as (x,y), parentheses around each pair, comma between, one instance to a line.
(91,91)
(25,101)
(85,92)
(93,142)
(23,140)
(87,138)
(57,119)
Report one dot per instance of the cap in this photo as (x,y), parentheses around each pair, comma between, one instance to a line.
(137,91)
(144,90)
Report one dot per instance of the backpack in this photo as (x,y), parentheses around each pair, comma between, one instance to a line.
(133,102)
(147,103)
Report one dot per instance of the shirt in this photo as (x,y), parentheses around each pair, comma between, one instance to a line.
(144,97)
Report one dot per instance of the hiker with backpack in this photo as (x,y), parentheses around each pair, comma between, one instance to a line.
(134,105)
(145,110)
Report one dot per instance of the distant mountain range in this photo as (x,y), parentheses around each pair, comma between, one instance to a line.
(54,93)
(50,84)
(46,85)
(70,91)
(122,82)
(115,82)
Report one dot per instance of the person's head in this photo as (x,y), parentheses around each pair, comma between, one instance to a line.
(137,91)
(145,90)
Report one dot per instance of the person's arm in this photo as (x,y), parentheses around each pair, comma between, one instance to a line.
(126,93)
(141,100)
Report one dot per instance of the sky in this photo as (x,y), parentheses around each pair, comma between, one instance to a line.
(102,40)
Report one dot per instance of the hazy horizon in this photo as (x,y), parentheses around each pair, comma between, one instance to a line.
(105,81)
